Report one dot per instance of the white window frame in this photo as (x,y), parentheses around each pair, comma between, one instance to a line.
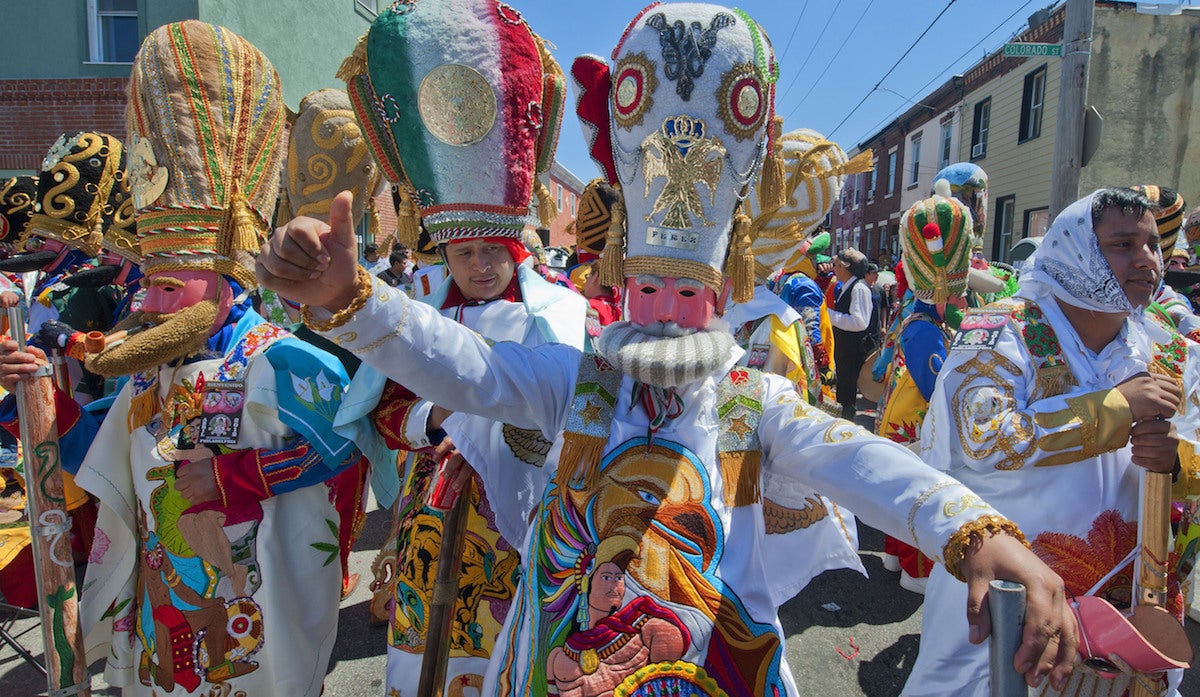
(871,180)
(947,140)
(371,6)
(893,160)
(95,31)
(914,169)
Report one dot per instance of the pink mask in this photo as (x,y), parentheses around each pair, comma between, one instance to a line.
(688,303)
(169,292)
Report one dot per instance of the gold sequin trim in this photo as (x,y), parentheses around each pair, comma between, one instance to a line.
(363,280)
(980,441)
(956,547)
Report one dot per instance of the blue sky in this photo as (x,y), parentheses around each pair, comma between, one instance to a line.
(832,53)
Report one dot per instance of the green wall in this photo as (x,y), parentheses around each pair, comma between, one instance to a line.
(306,40)
(49,38)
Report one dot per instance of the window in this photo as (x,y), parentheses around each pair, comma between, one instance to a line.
(914,167)
(857,184)
(891,179)
(979,131)
(871,180)
(944,154)
(1032,104)
(370,6)
(1002,233)
(1037,222)
(113,31)
(558,191)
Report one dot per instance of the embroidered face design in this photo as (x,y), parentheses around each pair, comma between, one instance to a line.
(147,179)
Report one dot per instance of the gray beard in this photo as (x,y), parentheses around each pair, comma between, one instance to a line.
(664,361)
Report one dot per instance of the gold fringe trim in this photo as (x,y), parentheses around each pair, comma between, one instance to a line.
(1055,380)
(742,472)
(771,184)
(354,64)
(408,221)
(143,407)
(547,208)
(740,265)
(373,222)
(241,230)
(990,525)
(612,258)
(579,461)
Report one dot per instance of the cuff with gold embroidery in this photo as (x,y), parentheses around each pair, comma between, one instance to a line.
(1106,419)
(960,542)
(1187,484)
(252,475)
(400,418)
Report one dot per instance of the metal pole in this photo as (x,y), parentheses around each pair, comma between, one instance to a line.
(1006,604)
(1072,104)
(54,567)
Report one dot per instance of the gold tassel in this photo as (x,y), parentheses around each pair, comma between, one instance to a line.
(143,407)
(373,224)
(355,64)
(941,287)
(547,208)
(408,222)
(860,163)
(283,209)
(241,231)
(579,461)
(771,184)
(613,257)
(1053,380)
(740,266)
(742,473)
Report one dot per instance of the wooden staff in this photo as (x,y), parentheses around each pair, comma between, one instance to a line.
(439,629)
(1154,540)
(54,568)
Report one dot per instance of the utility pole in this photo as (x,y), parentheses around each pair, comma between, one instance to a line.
(1072,103)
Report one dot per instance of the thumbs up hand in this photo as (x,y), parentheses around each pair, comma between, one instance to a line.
(309,262)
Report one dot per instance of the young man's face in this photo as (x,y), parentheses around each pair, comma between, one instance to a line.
(481,269)
(1130,244)
(657,301)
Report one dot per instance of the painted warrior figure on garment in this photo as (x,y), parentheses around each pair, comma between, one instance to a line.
(660,443)
(214,565)
(492,289)
(1052,403)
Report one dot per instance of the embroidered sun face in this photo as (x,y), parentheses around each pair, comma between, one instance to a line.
(457,104)
(633,88)
(742,101)
(147,180)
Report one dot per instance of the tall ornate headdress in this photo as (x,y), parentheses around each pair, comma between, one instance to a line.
(935,238)
(205,119)
(82,191)
(813,169)
(17,195)
(681,122)
(327,154)
(1168,214)
(967,182)
(462,105)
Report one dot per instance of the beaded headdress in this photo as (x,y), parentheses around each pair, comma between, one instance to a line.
(327,154)
(680,121)
(17,195)
(82,191)
(205,122)
(462,105)
(968,183)
(1168,214)
(814,168)
(935,238)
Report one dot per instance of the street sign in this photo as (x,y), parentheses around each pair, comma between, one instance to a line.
(1032,50)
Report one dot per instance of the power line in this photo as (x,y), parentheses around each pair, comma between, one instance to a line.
(794,28)
(831,60)
(812,48)
(948,68)
(894,66)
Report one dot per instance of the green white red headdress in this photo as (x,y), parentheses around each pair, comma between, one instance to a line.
(462,104)
(935,237)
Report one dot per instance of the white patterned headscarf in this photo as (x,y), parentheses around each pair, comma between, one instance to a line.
(1070,266)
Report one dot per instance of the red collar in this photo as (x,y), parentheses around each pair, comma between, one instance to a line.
(455,298)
